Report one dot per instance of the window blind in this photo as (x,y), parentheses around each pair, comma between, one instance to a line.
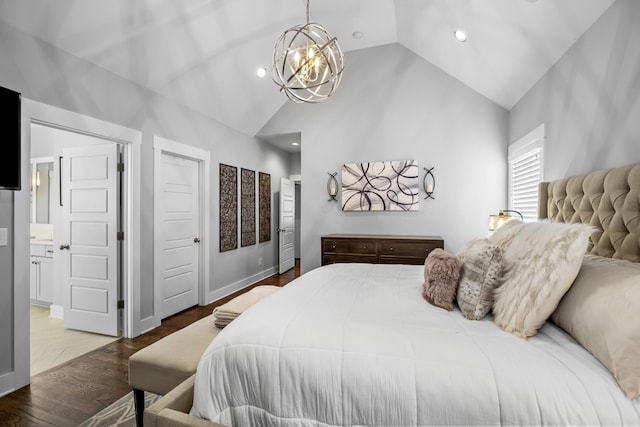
(525,173)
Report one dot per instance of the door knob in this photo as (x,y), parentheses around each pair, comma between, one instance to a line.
(196,240)
(63,247)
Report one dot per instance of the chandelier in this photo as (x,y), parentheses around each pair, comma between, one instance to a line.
(307,63)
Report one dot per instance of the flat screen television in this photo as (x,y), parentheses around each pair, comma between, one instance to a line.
(10,160)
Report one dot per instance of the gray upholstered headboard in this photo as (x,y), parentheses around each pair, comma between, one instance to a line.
(607,199)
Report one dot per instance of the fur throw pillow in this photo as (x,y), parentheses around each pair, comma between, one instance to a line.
(441,276)
(544,259)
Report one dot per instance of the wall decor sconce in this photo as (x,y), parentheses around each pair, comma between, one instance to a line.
(332,187)
(429,183)
(497,221)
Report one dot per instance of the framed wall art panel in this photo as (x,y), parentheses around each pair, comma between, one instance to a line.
(381,186)
(264,207)
(247,207)
(228,207)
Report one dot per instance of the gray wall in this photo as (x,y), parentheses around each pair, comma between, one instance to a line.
(6,284)
(48,75)
(393,105)
(295,165)
(589,100)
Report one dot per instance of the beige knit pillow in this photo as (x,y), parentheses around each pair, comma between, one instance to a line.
(544,258)
(481,273)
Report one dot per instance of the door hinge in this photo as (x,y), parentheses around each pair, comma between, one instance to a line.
(120,304)
(120,167)
(120,235)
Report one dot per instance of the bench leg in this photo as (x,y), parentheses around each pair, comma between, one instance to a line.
(138,400)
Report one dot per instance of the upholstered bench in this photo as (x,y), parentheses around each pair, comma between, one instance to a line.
(166,363)
(173,408)
(169,361)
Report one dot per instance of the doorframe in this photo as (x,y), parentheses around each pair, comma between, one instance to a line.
(203,158)
(36,112)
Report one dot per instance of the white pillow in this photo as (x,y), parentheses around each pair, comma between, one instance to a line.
(543,259)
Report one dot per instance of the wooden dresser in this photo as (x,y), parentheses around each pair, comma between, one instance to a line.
(378,249)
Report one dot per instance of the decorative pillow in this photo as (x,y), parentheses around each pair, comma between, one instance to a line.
(441,276)
(481,273)
(543,258)
(602,312)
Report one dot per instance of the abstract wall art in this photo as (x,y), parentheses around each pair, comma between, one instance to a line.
(264,206)
(381,186)
(228,207)
(247,207)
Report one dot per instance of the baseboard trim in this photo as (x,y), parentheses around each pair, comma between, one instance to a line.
(56,311)
(240,284)
(7,383)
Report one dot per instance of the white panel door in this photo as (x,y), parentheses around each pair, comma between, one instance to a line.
(90,256)
(287,225)
(180,227)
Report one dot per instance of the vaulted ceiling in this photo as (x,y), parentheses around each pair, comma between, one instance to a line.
(205,53)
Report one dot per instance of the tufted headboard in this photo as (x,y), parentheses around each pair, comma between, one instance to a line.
(608,199)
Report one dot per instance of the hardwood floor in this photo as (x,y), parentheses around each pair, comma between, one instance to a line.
(73,392)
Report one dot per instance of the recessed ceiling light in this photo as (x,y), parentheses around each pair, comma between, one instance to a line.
(261,72)
(357,35)
(460,35)
(295,144)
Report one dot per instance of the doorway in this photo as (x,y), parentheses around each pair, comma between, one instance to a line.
(51,340)
(134,324)
(181,226)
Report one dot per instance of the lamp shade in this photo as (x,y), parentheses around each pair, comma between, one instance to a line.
(497,221)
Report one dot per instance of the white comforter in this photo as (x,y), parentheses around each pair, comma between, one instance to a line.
(355,344)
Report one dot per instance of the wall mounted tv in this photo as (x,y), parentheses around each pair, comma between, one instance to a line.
(9,140)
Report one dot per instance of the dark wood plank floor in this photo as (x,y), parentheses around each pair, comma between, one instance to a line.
(71,393)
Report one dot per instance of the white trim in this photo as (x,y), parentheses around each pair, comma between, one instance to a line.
(39,113)
(41,160)
(241,284)
(203,157)
(532,140)
(56,311)
(296,178)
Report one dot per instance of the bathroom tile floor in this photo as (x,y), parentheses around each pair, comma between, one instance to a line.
(52,344)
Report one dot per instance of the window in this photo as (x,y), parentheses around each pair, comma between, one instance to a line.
(526,172)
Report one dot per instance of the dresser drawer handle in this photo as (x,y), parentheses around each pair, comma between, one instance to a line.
(333,247)
(391,248)
(364,247)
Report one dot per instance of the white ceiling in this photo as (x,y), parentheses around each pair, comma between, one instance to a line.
(205,53)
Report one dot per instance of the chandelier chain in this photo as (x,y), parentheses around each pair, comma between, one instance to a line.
(307,11)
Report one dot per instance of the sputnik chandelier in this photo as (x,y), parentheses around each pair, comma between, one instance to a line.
(307,63)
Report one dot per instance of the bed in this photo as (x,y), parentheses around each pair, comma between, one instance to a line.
(356,344)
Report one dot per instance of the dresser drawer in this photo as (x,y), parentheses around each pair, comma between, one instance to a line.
(385,259)
(362,247)
(335,246)
(335,258)
(338,246)
(404,249)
